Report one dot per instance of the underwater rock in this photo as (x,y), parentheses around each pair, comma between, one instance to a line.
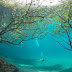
(7,67)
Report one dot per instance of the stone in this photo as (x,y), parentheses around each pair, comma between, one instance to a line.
(7,67)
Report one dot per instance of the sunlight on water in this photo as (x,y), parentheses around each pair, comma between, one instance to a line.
(37,42)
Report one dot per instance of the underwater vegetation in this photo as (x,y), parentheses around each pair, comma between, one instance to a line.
(20,22)
(24,22)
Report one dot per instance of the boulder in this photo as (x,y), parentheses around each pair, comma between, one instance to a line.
(6,66)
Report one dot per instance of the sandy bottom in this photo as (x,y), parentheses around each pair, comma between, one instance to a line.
(52,64)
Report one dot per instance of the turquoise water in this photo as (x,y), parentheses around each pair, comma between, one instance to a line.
(38,55)
(28,57)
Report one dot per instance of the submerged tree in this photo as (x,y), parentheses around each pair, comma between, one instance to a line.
(21,22)
(61,19)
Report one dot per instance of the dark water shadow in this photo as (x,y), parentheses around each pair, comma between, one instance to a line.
(25,61)
(66,70)
(15,61)
(56,67)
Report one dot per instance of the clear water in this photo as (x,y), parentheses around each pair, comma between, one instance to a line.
(28,57)
(36,55)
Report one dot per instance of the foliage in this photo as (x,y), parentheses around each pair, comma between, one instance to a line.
(61,18)
(21,22)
